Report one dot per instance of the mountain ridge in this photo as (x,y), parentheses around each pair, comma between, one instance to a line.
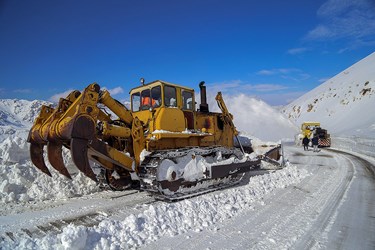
(17,116)
(342,104)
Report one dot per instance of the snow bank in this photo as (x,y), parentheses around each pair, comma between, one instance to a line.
(13,150)
(365,146)
(23,183)
(20,181)
(167,219)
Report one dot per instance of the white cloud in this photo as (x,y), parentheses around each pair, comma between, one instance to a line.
(294,74)
(343,50)
(238,86)
(296,77)
(276,99)
(227,86)
(321,31)
(114,91)
(278,71)
(265,87)
(296,51)
(266,72)
(324,79)
(255,117)
(353,20)
(288,70)
(56,97)
(22,91)
(274,94)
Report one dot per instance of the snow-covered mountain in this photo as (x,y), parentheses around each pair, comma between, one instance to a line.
(344,104)
(17,116)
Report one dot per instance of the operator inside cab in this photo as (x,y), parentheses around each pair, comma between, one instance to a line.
(151,98)
(147,101)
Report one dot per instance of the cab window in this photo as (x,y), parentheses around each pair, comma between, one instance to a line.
(187,100)
(136,102)
(156,96)
(145,99)
(170,99)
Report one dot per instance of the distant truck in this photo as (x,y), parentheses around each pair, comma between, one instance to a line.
(311,129)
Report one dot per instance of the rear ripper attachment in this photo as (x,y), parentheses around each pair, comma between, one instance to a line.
(163,143)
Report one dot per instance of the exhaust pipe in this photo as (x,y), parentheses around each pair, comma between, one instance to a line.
(203,107)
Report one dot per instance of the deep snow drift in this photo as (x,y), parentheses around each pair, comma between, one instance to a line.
(344,104)
(20,181)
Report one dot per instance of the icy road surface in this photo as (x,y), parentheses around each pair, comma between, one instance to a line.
(323,200)
(333,208)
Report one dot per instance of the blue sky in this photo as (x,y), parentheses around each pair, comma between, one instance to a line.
(274,50)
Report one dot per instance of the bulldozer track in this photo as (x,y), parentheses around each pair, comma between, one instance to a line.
(179,197)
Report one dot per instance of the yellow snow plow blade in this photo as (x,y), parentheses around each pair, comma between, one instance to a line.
(73,124)
(274,156)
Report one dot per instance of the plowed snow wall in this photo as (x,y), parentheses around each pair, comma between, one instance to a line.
(360,145)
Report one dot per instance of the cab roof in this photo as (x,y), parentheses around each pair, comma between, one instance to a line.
(158,82)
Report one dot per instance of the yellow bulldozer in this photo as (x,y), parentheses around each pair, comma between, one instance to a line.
(311,129)
(164,144)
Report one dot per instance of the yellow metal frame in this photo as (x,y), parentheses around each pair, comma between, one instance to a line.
(307,132)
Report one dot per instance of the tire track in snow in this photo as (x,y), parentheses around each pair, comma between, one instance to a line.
(332,203)
(55,218)
(353,222)
(307,207)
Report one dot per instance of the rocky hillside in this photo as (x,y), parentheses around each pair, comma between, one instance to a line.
(344,104)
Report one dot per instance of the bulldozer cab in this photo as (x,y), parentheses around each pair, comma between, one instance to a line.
(161,103)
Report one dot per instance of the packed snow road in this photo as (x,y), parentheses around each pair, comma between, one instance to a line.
(323,200)
(333,208)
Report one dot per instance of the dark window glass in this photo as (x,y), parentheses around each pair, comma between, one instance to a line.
(170,99)
(156,96)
